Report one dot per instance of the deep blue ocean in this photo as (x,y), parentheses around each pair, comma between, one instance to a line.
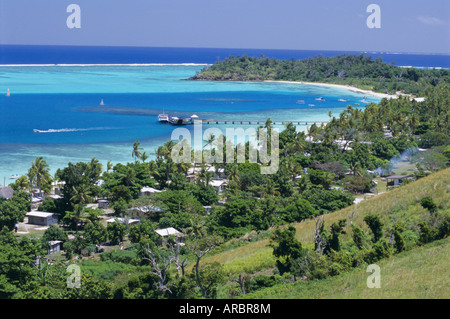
(59,89)
(19,54)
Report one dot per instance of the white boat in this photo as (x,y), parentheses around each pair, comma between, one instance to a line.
(175,120)
(342,100)
(320,99)
(311,105)
(163,118)
(101,102)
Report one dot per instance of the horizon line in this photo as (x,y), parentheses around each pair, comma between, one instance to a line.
(226,48)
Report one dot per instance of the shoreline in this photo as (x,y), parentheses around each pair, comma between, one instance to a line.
(110,64)
(346,87)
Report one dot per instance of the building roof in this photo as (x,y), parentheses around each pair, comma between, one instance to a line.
(122,220)
(6,192)
(55,196)
(146,189)
(40,214)
(217,183)
(398,176)
(165,232)
(55,242)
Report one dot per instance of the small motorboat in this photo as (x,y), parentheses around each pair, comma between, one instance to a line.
(320,99)
(175,120)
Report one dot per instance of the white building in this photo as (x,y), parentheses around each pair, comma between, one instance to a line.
(219,184)
(42,218)
(147,191)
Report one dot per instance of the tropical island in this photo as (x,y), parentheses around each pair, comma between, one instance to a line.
(369,187)
(358,71)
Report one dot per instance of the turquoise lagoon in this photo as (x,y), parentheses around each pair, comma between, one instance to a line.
(64,100)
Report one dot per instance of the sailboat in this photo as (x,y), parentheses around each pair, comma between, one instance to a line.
(101,102)
(8,93)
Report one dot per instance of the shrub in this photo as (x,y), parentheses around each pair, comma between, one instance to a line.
(119,255)
(381,249)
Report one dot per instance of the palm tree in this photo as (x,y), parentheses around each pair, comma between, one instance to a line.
(268,124)
(233,174)
(183,168)
(209,141)
(77,216)
(128,176)
(109,166)
(137,150)
(22,182)
(144,157)
(81,194)
(296,146)
(205,176)
(39,173)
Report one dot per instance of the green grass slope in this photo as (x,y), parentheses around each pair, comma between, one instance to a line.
(421,273)
(398,203)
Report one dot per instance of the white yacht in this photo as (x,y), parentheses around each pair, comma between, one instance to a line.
(163,118)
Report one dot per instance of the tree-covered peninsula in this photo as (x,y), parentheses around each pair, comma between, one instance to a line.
(356,70)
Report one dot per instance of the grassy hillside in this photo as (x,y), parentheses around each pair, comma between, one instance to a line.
(404,201)
(419,273)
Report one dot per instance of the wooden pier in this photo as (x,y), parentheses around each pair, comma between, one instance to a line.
(261,122)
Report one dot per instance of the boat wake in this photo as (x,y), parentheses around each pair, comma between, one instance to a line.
(64,130)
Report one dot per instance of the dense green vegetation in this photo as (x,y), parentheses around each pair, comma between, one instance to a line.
(356,70)
(261,231)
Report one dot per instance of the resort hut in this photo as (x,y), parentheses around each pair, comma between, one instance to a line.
(396,180)
(167,232)
(144,210)
(6,192)
(57,187)
(147,191)
(124,221)
(219,184)
(42,218)
(103,203)
(55,246)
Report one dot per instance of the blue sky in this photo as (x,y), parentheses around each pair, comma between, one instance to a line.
(406,25)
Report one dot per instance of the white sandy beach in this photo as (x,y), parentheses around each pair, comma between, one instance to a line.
(347,87)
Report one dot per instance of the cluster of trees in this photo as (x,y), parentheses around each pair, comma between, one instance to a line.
(332,256)
(357,70)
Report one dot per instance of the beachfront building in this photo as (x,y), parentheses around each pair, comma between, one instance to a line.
(42,218)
